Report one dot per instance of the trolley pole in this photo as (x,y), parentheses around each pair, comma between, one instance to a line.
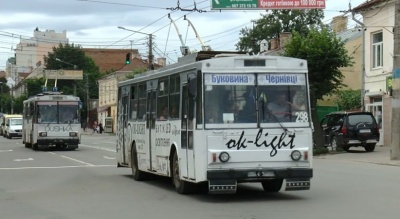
(395,144)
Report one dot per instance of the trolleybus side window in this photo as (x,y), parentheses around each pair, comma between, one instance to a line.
(134,102)
(162,102)
(174,97)
(142,102)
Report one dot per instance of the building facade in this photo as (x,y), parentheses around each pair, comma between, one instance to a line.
(379,20)
(30,52)
(108,91)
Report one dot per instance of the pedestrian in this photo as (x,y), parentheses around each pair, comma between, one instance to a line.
(100,127)
(95,127)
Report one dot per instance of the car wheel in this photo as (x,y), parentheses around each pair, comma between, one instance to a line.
(369,147)
(346,148)
(334,143)
(273,185)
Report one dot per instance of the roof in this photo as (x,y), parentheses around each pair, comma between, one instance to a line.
(367,5)
(349,35)
(349,112)
(109,59)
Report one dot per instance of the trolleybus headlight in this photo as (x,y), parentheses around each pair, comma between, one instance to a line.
(296,155)
(43,134)
(73,134)
(224,157)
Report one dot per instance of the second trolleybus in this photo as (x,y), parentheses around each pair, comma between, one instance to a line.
(51,119)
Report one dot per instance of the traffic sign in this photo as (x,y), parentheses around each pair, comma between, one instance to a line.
(266,4)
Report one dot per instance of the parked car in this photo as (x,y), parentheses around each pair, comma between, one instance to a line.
(350,129)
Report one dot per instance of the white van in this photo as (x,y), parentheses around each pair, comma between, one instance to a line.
(13,127)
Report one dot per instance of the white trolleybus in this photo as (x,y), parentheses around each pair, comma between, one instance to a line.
(51,119)
(219,119)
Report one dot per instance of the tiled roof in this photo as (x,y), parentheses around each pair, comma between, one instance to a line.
(349,35)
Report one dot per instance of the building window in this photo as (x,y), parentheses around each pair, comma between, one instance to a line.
(377,50)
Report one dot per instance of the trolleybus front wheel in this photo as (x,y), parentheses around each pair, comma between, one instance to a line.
(181,186)
(273,185)
(35,146)
(137,174)
(28,145)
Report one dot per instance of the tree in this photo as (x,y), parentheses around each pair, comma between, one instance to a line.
(34,86)
(18,104)
(325,54)
(135,72)
(4,95)
(349,99)
(276,22)
(73,57)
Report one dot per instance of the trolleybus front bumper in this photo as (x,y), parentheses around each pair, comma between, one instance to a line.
(72,142)
(225,180)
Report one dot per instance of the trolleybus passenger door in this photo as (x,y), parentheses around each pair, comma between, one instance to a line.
(122,126)
(150,126)
(187,152)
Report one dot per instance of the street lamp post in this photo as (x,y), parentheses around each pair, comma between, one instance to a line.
(150,58)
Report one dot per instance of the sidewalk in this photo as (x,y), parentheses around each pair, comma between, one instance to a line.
(381,156)
(90,132)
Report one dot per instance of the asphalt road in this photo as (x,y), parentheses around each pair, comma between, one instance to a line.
(86,184)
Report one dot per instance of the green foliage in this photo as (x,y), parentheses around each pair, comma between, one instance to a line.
(276,22)
(18,104)
(72,57)
(325,54)
(4,96)
(135,72)
(349,99)
(34,86)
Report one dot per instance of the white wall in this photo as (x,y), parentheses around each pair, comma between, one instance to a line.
(379,20)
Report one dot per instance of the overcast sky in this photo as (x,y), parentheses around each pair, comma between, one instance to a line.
(93,23)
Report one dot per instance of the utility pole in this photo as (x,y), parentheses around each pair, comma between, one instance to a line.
(151,59)
(395,146)
(12,99)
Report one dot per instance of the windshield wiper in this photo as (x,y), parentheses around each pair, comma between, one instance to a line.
(271,115)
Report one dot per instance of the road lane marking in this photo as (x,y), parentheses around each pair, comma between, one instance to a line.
(28,159)
(73,159)
(104,149)
(58,167)
(5,150)
(110,158)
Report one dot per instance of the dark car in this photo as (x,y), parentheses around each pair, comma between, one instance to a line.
(350,129)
